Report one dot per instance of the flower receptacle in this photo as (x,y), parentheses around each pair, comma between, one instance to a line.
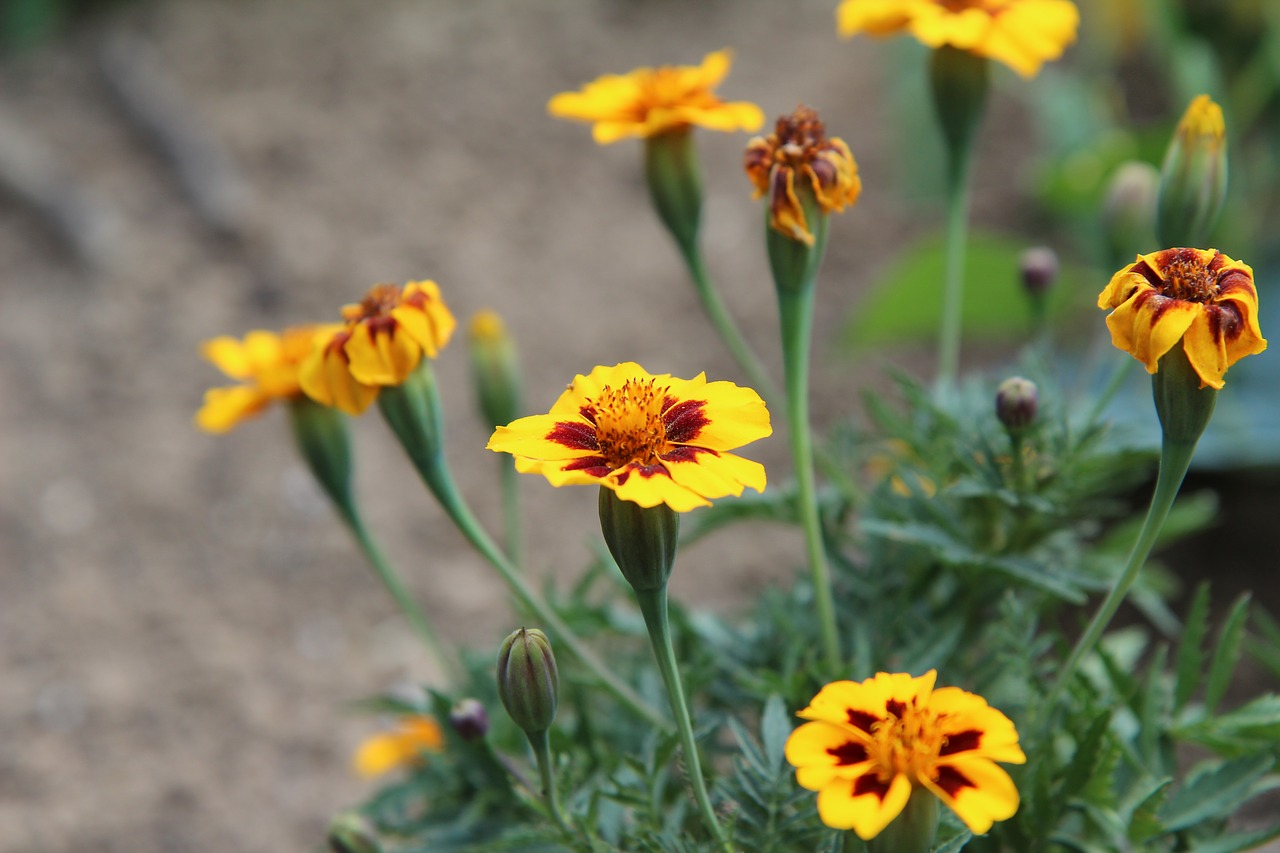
(641,539)
(528,679)
(412,410)
(959,82)
(793,262)
(1183,405)
(322,438)
(675,184)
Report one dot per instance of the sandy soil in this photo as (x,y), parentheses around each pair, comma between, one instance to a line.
(181,621)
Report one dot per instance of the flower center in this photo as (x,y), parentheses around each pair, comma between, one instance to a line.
(378,302)
(908,740)
(629,425)
(801,136)
(1187,278)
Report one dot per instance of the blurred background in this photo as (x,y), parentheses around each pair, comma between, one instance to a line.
(183,627)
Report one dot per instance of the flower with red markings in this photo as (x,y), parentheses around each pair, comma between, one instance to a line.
(1199,297)
(651,439)
(869,744)
(385,337)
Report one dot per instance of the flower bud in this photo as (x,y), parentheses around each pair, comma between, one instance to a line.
(528,681)
(641,539)
(494,369)
(1129,210)
(1017,401)
(469,719)
(1038,268)
(350,832)
(321,435)
(1193,179)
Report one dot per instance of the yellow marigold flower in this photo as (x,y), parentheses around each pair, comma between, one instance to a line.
(384,339)
(1200,297)
(799,146)
(871,742)
(651,439)
(403,747)
(267,363)
(1022,34)
(649,101)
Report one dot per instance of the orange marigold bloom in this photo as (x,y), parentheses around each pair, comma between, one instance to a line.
(384,339)
(1200,297)
(870,743)
(1022,34)
(649,101)
(799,146)
(267,363)
(404,747)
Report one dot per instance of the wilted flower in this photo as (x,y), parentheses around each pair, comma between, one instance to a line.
(871,743)
(650,101)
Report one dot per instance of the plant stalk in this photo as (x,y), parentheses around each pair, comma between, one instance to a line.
(958,167)
(541,744)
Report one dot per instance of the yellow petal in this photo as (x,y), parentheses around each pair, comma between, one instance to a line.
(873,17)
(864,804)
(545,437)
(324,377)
(1148,325)
(381,357)
(225,407)
(822,752)
(713,475)
(228,355)
(730,417)
(652,486)
(977,790)
(974,728)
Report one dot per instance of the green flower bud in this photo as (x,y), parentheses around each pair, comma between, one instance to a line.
(351,832)
(642,540)
(1129,210)
(494,369)
(321,436)
(528,681)
(675,184)
(1193,179)
(1017,402)
(412,410)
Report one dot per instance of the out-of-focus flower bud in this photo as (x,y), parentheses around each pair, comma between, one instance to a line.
(469,719)
(350,832)
(494,369)
(1129,210)
(528,680)
(1017,402)
(1038,268)
(1193,179)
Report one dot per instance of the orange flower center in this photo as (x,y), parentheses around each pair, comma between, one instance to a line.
(907,741)
(629,425)
(1187,278)
(800,136)
(378,302)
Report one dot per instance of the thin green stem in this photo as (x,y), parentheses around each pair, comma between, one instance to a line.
(541,743)
(399,592)
(796,311)
(512,524)
(440,481)
(1175,459)
(958,162)
(653,604)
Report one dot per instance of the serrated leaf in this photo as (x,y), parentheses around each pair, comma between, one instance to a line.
(1191,648)
(1215,792)
(1227,653)
(1088,757)
(1145,823)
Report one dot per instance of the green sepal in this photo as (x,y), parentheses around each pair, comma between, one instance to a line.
(1183,406)
(322,438)
(412,410)
(675,184)
(642,540)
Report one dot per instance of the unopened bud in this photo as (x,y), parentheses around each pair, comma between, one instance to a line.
(1038,267)
(469,719)
(528,680)
(1193,179)
(494,369)
(350,832)
(1017,402)
(1129,210)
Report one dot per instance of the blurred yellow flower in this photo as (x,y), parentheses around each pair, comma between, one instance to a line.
(1200,297)
(870,743)
(651,439)
(404,747)
(267,363)
(384,339)
(798,149)
(1022,34)
(649,101)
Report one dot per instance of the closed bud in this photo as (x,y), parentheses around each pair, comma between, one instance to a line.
(469,719)
(528,681)
(350,832)
(641,539)
(494,369)
(1193,179)
(1017,402)
(1129,210)
(1038,268)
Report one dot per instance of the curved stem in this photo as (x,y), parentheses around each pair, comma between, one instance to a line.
(541,743)
(957,236)
(1175,459)
(512,526)
(440,481)
(653,604)
(796,311)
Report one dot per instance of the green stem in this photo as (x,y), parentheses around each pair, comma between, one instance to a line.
(513,528)
(399,592)
(440,481)
(958,162)
(653,604)
(1175,459)
(541,743)
(1019,469)
(795,307)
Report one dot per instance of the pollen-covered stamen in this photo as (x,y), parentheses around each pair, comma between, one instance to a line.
(1186,277)
(629,425)
(908,740)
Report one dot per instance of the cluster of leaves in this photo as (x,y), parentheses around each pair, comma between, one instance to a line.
(956,556)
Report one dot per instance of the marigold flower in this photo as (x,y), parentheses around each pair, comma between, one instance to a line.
(871,742)
(649,101)
(1022,34)
(652,439)
(384,339)
(403,747)
(1200,297)
(799,146)
(267,363)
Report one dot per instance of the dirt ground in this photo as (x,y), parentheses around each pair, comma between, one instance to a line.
(182,623)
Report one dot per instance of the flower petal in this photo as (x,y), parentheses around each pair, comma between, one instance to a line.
(977,790)
(822,752)
(974,728)
(650,485)
(381,353)
(1148,325)
(225,407)
(325,378)
(712,474)
(865,804)
(545,437)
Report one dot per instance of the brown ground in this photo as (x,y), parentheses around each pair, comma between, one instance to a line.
(181,620)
